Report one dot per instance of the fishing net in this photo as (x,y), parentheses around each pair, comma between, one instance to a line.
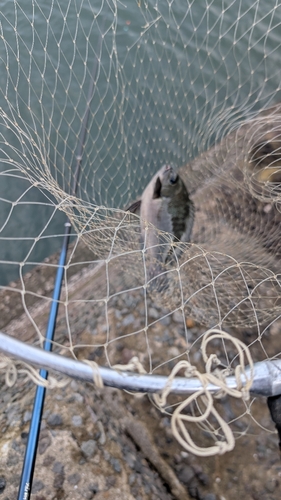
(174,82)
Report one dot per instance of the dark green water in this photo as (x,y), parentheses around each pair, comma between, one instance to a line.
(172,78)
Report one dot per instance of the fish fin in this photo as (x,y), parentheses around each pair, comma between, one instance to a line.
(134,208)
(157,189)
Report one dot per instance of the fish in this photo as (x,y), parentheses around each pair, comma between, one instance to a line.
(166,205)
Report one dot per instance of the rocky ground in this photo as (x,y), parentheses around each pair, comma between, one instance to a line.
(106,444)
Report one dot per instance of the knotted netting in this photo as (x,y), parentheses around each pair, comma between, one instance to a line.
(195,85)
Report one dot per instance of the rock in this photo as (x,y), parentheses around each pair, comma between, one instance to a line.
(153,313)
(89,448)
(2,484)
(165,321)
(77,420)
(110,481)
(128,320)
(74,478)
(94,487)
(12,459)
(44,443)
(58,468)
(78,397)
(130,459)
(178,317)
(271,485)
(210,496)
(54,420)
(27,416)
(37,486)
(186,474)
(116,464)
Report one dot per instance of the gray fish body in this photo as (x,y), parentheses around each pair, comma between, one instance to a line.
(165,205)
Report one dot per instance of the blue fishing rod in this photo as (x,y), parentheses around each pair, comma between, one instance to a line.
(34,430)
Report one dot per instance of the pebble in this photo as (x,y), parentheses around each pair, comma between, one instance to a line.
(271,485)
(178,317)
(132,478)
(165,321)
(59,475)
(37,486)
(130,459)
(116,464)
(138,465)
(204,478)
(128,320)
(94,487)
(173,352)
(54,420)
(186,474)
(2,484)
(76,420)
(210,496)
(74,385)
(46,414)
(110,481)
(153,313)
(27,416)
(58,468)
(12,459)
(78,397)
(13,416)
(87,494)
(89,448)
(102,438)
(74,478)
(44,442)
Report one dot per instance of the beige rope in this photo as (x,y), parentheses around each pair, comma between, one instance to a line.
(211,376)
(12,369)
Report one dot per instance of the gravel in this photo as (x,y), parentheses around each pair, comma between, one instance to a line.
(89,448)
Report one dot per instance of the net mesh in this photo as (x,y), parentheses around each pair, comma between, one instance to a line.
(176,82)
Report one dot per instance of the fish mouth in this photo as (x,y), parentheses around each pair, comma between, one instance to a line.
(173,176)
